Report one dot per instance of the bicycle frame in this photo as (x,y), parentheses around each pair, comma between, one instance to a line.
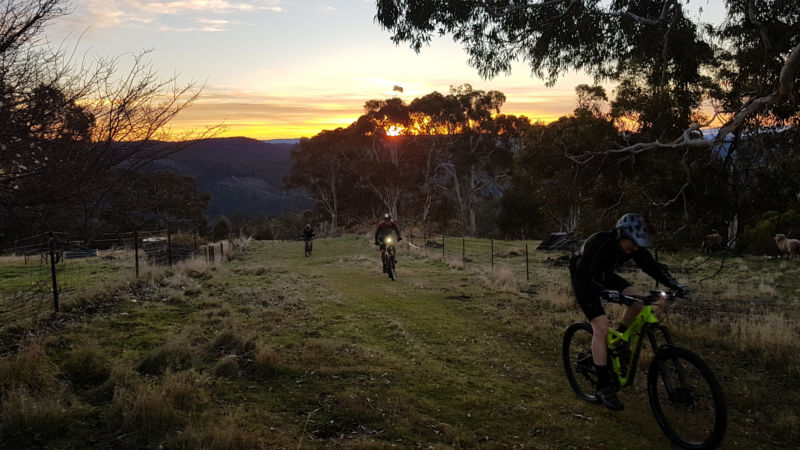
(645,324)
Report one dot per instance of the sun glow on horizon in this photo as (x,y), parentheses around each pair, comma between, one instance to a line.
(395,130)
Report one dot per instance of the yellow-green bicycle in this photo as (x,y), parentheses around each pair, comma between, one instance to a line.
(685,397)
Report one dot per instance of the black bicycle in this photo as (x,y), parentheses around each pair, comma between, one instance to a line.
(685,397)
(389,261)
(309,247)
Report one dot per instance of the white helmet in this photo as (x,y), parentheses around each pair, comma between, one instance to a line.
(632,226)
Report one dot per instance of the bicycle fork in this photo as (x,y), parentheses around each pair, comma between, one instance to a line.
(675,386)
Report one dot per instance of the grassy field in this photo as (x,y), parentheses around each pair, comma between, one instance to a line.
(274,350)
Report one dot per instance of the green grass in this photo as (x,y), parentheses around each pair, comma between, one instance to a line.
(278,350)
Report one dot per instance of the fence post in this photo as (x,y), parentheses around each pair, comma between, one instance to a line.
(169,248)
(136,251)
(492,252)
(211,253)
(53,273)
(221,252)
(442,249)
(463,252)
(527,270)
(195,244)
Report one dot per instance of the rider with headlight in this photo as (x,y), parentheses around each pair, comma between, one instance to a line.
(387,229)
(592,276)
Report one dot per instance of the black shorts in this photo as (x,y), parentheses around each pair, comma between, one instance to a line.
(586,293)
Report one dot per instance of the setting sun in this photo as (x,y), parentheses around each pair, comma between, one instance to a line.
(394,130)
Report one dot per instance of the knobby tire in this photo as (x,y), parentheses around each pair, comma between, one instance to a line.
(577,360)
(686,399)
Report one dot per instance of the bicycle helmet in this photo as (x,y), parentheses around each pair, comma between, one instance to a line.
(632,226)
(387,216)
(308,226)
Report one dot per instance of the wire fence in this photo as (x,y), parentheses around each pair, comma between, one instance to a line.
(520,258)
(38,272)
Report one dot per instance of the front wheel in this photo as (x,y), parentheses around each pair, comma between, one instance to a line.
(390,263)
(577,353)
(686,399)
(308,248)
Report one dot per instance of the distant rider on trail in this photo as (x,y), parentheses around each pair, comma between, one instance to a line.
(386,227)
(308,233)
(592,275)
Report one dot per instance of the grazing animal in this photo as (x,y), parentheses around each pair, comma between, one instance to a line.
(789,247)
(711,242)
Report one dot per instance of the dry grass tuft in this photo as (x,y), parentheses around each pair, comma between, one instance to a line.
(185,389)
(554,289)
(86,366)
(146,410)
(225,434)
(177,353)
(502,278)
(183,283)
(197,268)
(227,367)
(30,368)
(266,360)
(26,415)
(232,340)
(771,334)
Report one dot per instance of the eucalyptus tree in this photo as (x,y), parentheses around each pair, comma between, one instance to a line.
(321,166)
(653,43)
(666,62)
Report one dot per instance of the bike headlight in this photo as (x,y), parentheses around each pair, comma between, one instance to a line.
(388,240)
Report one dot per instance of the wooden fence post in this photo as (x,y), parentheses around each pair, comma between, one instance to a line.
(53,273)
(527,270)
(136,251)
(169,248)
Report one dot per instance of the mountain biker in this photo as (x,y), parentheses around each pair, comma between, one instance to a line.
(308,233)
(592,275)
(386,227)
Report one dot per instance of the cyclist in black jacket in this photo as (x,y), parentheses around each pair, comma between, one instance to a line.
(592,275)
(386,227)
(308,233)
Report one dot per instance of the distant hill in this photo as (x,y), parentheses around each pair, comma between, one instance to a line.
(283,141)
(242,174)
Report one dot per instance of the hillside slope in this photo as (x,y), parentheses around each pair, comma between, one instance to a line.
(242,174)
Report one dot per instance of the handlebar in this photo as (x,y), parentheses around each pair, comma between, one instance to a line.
(654,296)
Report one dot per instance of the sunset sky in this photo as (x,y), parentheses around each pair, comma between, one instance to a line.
(290,68)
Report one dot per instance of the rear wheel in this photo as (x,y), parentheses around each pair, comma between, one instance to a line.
(686,399)
(577,354)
